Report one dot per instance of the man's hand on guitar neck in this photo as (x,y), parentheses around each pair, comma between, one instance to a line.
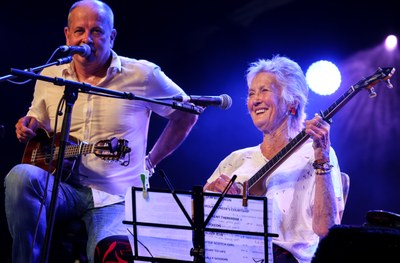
(26,128)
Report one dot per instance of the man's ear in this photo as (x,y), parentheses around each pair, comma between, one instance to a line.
(66,31)
(112,37)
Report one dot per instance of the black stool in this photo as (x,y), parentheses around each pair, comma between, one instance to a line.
(69,242)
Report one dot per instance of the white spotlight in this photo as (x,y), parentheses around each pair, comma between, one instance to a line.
(391,42)
(323,77)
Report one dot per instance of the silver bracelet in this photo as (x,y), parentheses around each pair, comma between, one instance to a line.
(149,164)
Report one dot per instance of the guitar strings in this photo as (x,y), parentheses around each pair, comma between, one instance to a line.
(70,151)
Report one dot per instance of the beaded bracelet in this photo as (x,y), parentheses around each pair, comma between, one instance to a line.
(322,171)
(322,167)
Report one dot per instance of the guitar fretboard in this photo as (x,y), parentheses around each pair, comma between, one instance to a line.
(70,151)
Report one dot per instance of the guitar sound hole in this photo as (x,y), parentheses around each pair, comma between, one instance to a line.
(47,154)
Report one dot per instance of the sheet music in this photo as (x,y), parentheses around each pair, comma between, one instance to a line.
(160,242)
(231,215)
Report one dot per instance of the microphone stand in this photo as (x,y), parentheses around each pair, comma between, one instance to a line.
(72,88)
(58,62)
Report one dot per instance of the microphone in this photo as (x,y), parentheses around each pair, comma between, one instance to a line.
(82,50)
(224,101)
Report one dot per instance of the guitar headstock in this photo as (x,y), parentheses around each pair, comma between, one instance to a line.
(111,150)
(381,74)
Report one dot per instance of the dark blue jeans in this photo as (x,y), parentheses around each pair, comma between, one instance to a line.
(25,188)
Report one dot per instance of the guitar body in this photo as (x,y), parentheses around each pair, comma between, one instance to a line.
(38,152)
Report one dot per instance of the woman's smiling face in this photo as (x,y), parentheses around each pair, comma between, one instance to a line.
(265,104)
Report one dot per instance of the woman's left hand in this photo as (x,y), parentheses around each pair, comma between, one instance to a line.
(318,129)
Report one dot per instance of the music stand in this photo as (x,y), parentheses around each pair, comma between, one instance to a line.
(161,231)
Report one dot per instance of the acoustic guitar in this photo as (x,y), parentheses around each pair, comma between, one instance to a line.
(42,152)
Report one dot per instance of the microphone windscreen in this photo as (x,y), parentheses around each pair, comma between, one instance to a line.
(87,51)
(226,101)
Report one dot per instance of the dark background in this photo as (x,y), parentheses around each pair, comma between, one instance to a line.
(205,47)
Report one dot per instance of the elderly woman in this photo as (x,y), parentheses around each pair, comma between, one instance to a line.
(306,187)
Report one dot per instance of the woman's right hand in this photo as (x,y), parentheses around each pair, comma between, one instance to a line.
(26,128)
(219,185)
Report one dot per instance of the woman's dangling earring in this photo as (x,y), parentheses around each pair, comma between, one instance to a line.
(292,111)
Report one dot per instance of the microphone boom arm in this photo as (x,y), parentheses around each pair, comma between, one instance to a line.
(58,62)
(87,88)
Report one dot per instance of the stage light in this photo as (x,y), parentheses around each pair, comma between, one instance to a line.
(323,77)
(391,42)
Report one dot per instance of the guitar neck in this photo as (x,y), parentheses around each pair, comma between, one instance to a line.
(340,103)
(279,158)
(75,150)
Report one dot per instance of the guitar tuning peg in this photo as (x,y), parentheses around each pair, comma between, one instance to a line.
(372,93)
(388,84)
